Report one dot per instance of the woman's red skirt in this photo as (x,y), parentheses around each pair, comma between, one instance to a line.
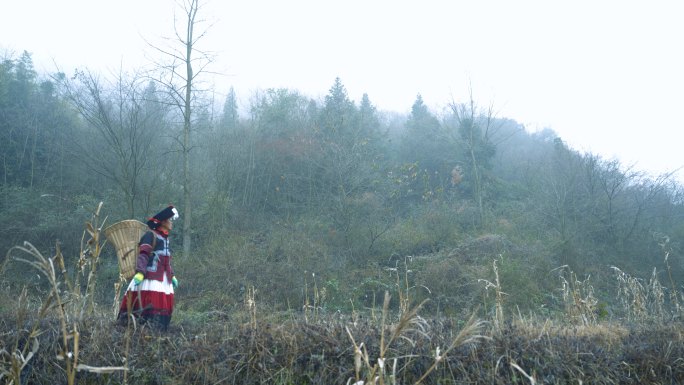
(150,302)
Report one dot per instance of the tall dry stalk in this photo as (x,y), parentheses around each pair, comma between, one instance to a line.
(71,304)
(498,297)
(404,298)
(641,302)
(118,286)
(471,333)
(250,305)
(13,362)
(403,286)
(578,297)
(131,325)
(369,370)
(69,330)
(314,304)
(375,371)
(664,242)
(90,253)
(88,261)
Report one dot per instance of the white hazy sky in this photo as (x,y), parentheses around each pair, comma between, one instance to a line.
(606,75)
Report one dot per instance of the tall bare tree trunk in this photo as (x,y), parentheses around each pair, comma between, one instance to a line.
(187,184)
(184,90)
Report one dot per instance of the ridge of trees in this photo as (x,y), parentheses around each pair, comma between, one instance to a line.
(66,141)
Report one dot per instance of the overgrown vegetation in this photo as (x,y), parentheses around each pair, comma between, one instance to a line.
(396,340)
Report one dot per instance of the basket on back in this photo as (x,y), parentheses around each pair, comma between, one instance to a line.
(125,236)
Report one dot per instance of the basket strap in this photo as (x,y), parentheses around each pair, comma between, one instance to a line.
(154,241)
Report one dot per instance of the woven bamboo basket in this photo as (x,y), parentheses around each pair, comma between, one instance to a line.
(125,236)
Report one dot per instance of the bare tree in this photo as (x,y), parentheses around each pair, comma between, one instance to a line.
(180,73)
(123,122)
(473,131)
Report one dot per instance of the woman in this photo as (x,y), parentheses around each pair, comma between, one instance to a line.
(150,294)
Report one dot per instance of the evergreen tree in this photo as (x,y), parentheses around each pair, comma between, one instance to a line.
(34,126)
(230,117)
(425,157)
(339,115)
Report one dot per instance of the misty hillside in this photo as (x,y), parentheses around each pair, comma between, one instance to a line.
(326,204)
(321,186)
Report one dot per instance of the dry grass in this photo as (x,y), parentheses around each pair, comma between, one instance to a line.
(290,350)
(641,300)
(578,297)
